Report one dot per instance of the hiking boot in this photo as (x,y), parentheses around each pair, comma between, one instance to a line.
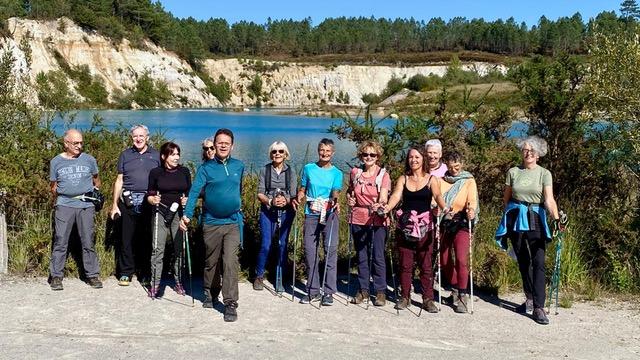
(454,300)
(526,307)
(327,300)
(360,297)
(211,298)
(309,299)
(94,282)
(179,289)
(56,283)
(258,284)
(381,299)
(403,304)
(153,292)
(124,280)
(429,305)
(540,316)
(230,313)
(461,306)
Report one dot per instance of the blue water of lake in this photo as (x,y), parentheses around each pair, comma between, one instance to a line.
(253,131)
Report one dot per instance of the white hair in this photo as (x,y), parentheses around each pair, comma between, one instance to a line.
(277,145)
(210,139)
(139,126)
(538,144)
(434,143)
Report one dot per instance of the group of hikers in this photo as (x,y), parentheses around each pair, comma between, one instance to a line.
(432,208)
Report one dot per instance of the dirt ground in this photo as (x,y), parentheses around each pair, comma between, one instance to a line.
(121,322)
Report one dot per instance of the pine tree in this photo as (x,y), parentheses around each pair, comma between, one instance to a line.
(629,10)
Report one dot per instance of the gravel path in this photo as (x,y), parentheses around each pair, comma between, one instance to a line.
(121,322)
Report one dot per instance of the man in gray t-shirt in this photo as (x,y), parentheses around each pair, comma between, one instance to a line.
(72,174)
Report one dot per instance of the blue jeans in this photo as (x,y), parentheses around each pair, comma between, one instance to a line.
(268,229)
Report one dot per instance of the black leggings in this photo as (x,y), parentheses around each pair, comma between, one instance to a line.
(530,247)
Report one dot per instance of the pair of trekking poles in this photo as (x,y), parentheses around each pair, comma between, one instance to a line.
(186,252)
(439,265)
(369,260)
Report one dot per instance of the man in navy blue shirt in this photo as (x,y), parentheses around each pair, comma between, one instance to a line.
(129,193)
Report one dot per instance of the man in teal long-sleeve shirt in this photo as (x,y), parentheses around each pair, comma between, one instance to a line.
(221,179)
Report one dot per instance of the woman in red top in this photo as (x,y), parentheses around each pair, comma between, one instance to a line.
(369,188)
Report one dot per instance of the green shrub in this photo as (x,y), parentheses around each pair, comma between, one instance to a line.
(53,91)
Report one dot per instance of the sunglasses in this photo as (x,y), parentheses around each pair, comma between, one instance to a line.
(371,155)
(279,151)
(205,148)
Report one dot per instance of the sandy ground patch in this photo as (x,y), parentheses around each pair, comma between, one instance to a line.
(121,322)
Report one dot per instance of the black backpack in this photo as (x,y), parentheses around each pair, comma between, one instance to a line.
(267,179)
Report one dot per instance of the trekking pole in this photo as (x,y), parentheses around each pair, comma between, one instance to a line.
(326,259)
(393,274)
(155,249)
(350,215)
(278,266)
(471,265)
(295,244)
(555,278)
(439,265)
(370,260)
(186,242)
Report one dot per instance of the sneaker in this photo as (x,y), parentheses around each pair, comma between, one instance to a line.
(94,282)
(56,283)
(309,299)
(526,307)
(429,305)
(279,289)
(257,284)
(540,316)
(327,300)
(230,313)
(360,297)
(403,304)
(153,292)
(381,299)
(211,298)
(179,289)
(461,306)
(124,280)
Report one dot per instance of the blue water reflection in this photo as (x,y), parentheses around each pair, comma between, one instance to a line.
(254,132)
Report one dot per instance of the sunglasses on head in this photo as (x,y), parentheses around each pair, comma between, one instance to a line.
(278,151)
(371,155)
(205,148)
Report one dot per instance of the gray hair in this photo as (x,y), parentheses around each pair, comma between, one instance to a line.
(538,144)
(71,131)
(139,126)
(433,142)
(210,139)
(279,145)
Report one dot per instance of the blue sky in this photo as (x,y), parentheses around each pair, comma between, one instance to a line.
(259,10)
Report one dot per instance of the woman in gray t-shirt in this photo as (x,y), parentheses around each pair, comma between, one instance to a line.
(528,199)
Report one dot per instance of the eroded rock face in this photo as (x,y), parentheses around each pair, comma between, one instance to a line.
(119,65)
(290,85)
(294,85)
